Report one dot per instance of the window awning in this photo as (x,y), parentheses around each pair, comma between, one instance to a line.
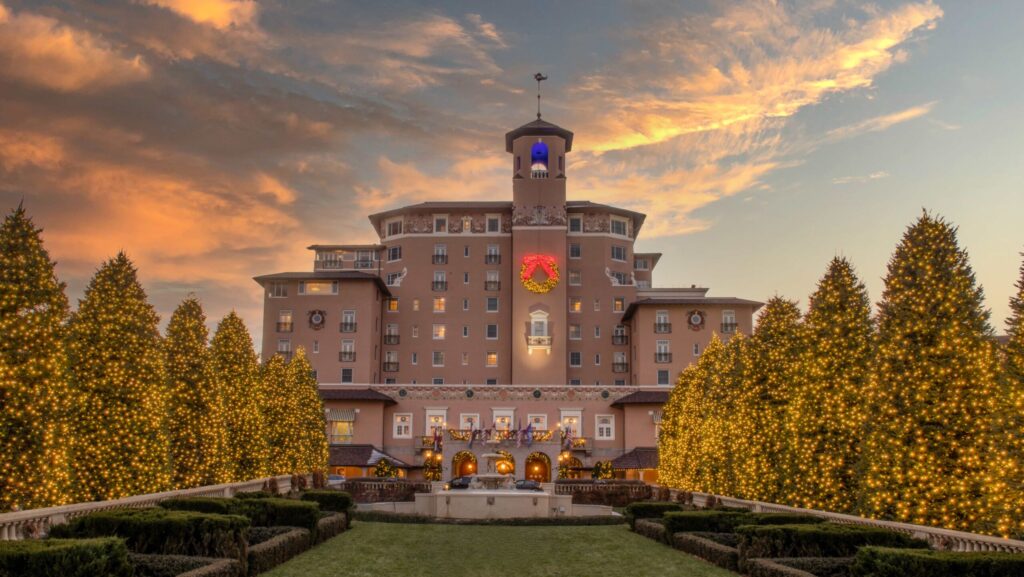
(345,415)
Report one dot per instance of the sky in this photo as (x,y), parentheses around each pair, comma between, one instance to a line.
(213,140)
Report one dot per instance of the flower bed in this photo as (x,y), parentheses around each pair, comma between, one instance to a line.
(65,558)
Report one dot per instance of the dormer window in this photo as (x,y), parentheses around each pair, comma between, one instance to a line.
(539,160)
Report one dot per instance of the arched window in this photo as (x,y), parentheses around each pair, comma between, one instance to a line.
(539,160)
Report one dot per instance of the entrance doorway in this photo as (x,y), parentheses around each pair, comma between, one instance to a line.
(463,464)
(538,467)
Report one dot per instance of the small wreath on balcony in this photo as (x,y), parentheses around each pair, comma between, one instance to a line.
(317,319)
(531,263)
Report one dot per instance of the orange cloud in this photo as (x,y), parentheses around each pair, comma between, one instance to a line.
(884,122)
(42,51)
(22,149)
(217,13)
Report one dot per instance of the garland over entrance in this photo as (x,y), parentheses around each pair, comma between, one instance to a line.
(530,264)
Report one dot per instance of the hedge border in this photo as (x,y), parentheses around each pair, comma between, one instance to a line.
(331,526)
(651,529)
(219,568)
(388,517)
(275,551)
(65,557)
(888,561)
(711,551)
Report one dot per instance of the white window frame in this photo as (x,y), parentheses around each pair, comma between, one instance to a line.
(503,413)
(397,247)
(578,335)
(487,359)
(579,359)
(625,226)
(668,378)
(487,333)
(444,304)
(616,248)
(497,305)
(433,358)
(578,218)
(539,421)
(598,432)
(489,218)
(578,247)
(464,421)
(577,414)
(277,289)
(434,417)
(438,332)
(575,277)
(395,425)
(387,227)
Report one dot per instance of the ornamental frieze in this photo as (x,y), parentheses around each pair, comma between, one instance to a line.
(498,393)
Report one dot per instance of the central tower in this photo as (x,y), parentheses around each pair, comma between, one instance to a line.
(539,327)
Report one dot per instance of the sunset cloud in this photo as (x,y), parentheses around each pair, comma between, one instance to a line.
(217,13)
(884,122)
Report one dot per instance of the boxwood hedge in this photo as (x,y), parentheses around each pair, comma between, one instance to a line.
(262,512)
(649,510)
(889,562)
(329,499)
(817,540)
(65,558)
(722,521)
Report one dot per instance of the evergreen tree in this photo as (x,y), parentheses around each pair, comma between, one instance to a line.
(311,425)
(764,459)
(670,456)
(195,425)
(828,415)
(687,427)
(281,426)
(34,396)
(933,389)
(116,366)
(1006,496)
(710,443)
(718,425)
(236,374)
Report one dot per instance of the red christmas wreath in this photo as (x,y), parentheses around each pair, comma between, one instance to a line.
(531,263)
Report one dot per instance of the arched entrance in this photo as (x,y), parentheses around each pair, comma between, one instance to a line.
(506,466)
(538,467)
(463,464)
(569,467)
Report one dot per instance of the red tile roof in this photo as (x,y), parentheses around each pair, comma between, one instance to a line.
(638,458)
(360,456)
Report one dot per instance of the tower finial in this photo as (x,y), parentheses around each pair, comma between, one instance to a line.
(539,78)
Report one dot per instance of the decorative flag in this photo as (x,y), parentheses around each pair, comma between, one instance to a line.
(472,433)
(529,434)
(519,433)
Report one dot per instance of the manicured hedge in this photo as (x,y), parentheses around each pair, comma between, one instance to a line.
(702,546)
(279,512)
(726,521)
(820,540)
(163,531)
(888,562)
(254,495)
(329,500)
(800,567)
(183,566)
(651,529)
(216,505)
(260,534)
(330,526)
(386,517)
(277,550)
(649,510)
(65,558)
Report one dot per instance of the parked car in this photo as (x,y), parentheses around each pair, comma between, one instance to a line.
(459,483)
(528,485)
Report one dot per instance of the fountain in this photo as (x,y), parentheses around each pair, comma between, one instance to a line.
(492,480)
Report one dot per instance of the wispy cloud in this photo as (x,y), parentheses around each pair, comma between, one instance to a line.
(840,180)
(880,123)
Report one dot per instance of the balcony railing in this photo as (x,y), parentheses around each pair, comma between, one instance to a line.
(662,327)
(464,435)
(538,341)
(365,264)
(439,259)
(663,357)
(347,356)
(390,367)
(620,367)
(347,327)
(492,259)
(492,285)
(620,339)
(439,285)
(285,327)
(391,339)
(328,264)
(728,328)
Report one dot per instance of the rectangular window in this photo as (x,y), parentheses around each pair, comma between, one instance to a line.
(575,359)
(415,358)
(539,421)
(572,420)
(316,347)
(661,347)
(346,375)
(440,224)
(641,263)
(284,321)
(575,251)
(492,304)
(278,290)
(575,278)
(437,359)
(465,331)
(621,278)
(465,304)
(618,253)
(394,228)
(575,305)
(284,347)
(341,432)
(392,304)
(620,382)
(575,332)
(597,331)
(575,223)
(492,359)
(439,276)
(465,278)
(441,251)
(728,322)
(394,253)
(437,381)
(618,305)
(605,428)
(436,419)
(492,381)
(439,332)
(465,251)
(415,331)
(467,224)
(597,305)
(597,359)
(662,377)
(403,426)
(619,226)
(439,304)
(318,287)
(415,304)
(469,421)
(503,419)
(493,224)
(492,332)
(575,382)
(392,278)
(696,349)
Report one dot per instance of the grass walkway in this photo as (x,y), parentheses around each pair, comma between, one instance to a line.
(390,549)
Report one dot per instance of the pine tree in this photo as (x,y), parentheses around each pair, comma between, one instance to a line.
(710,443)
(279,418)
(933,389)
(34,396)
(764,458)
(828,415)
(671,459)
(115,361)
(687,431)
(1006,496)
(194,425)
(236,374)
(311,426)
(720,437)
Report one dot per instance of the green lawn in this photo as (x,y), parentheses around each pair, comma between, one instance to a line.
(391,549)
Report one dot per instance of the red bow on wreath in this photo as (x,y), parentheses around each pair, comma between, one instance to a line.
(530,264)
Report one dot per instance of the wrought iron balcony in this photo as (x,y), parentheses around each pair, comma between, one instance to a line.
(391,339)
(439,259)
(492,285)
(492,259)
(347,356)
(347,327)
(662,328)
(663,357)
(390,367)
(285,327)
(729,328)
(620,367)
(620,339)
(439,285)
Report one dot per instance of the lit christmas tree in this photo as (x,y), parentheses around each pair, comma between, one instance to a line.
(195,426)
(310,434)
(827,416)
(236,374)
(34,395)
(115,361)
(723,381)
(1006,497)
(280,425)
(671,458)
(687,430)
(764,457)
(933,389)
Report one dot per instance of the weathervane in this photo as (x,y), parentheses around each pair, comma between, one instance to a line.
(539,78)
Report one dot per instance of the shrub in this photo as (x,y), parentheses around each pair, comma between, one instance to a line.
(217,505)
(649,510)
(726,521)
(183,566)
(330,526)
(163,531)
(800,567)
(651,530)
(254,495)
(279,512)
(329,499)
(710,550)
(888,562)
(65,558)
(277,550)
(820,540)
(260,534)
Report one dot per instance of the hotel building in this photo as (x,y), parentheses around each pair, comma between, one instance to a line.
(496,314)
